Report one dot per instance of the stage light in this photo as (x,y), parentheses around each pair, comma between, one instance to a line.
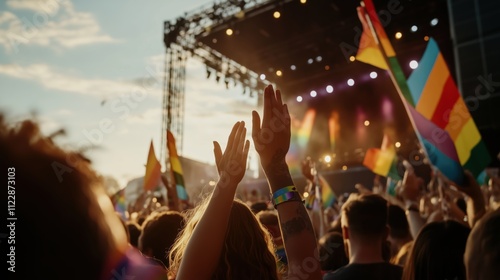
(299,98)
(262,76)
(413,64)
(329,89)
(305,194)
(350,82)
(327,67)
(398,35)
(366,123)
(293,67)
(327,158)
(352,58)
(310,61)
(373,75)
(434,21)
(319,58)
(414,28)
(344,167)
(279,73)
(397,144)
(426,38)
(229,32)
(313,93)
(276,14)
(303,1)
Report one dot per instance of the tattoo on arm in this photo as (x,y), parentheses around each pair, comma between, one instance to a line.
(297,224)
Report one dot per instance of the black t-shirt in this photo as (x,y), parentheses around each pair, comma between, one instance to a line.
(371,271)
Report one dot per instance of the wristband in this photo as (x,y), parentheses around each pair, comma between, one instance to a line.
(285,197)
(283,191)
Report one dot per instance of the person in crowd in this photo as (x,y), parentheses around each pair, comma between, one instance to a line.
(159,232)
(365,231)
(60,191)
(399,234)
(258,206)
(214,230)
(332,252)
(482,252)
(134,231)
(438,252)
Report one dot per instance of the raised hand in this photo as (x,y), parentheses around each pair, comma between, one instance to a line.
(231,164)
(272,138)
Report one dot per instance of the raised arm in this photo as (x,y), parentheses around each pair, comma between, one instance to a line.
(272,141)
(203,250)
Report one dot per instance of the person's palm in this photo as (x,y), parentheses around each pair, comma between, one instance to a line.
(272,138)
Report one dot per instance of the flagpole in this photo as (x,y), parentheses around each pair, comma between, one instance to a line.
(395,83)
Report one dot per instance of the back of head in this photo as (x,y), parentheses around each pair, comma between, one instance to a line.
(248,251)
(482,254)
(366,216)
(61,196)
(159,231)
(396,219)
(437,252)
(332,252)
(134,231)
(269,219)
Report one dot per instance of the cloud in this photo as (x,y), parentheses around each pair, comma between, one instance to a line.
(54,23)
(150,116)
(50,78)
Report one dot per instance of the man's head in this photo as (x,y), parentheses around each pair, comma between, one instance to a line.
(482,253)
(364,219)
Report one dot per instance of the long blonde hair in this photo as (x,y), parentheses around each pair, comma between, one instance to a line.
(248,251)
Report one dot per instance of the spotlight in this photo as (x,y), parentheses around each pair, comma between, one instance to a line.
(397,144)
(373,74)
(319,58)
(262,76)
(327,158)
(299,98)
(350,82)
(367,123)
(434,21)
(352,58)
(313,93)
(310,61)
(398,35)
(414,28)
(426,38)
(229,32)
(303,1)
(329,89)
(293,67)
(279,73)
(276,14)
(413,64)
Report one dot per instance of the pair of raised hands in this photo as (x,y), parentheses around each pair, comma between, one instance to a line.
(271,139)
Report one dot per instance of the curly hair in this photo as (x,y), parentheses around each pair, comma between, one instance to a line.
(248,251)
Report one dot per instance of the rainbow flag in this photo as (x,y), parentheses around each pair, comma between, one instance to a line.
(176,168)
(119,203)
(327,195)
(437,98)
(369,52)
(439,150)
(153,170)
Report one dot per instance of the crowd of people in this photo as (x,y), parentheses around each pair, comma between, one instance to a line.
(424,232)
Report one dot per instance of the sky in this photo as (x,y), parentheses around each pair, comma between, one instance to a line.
(81,66)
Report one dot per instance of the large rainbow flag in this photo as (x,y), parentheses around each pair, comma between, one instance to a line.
(437,98)
(442,153)
(176,167)
(153,170)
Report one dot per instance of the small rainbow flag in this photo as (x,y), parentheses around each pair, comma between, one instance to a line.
(153,170)
(176,168)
